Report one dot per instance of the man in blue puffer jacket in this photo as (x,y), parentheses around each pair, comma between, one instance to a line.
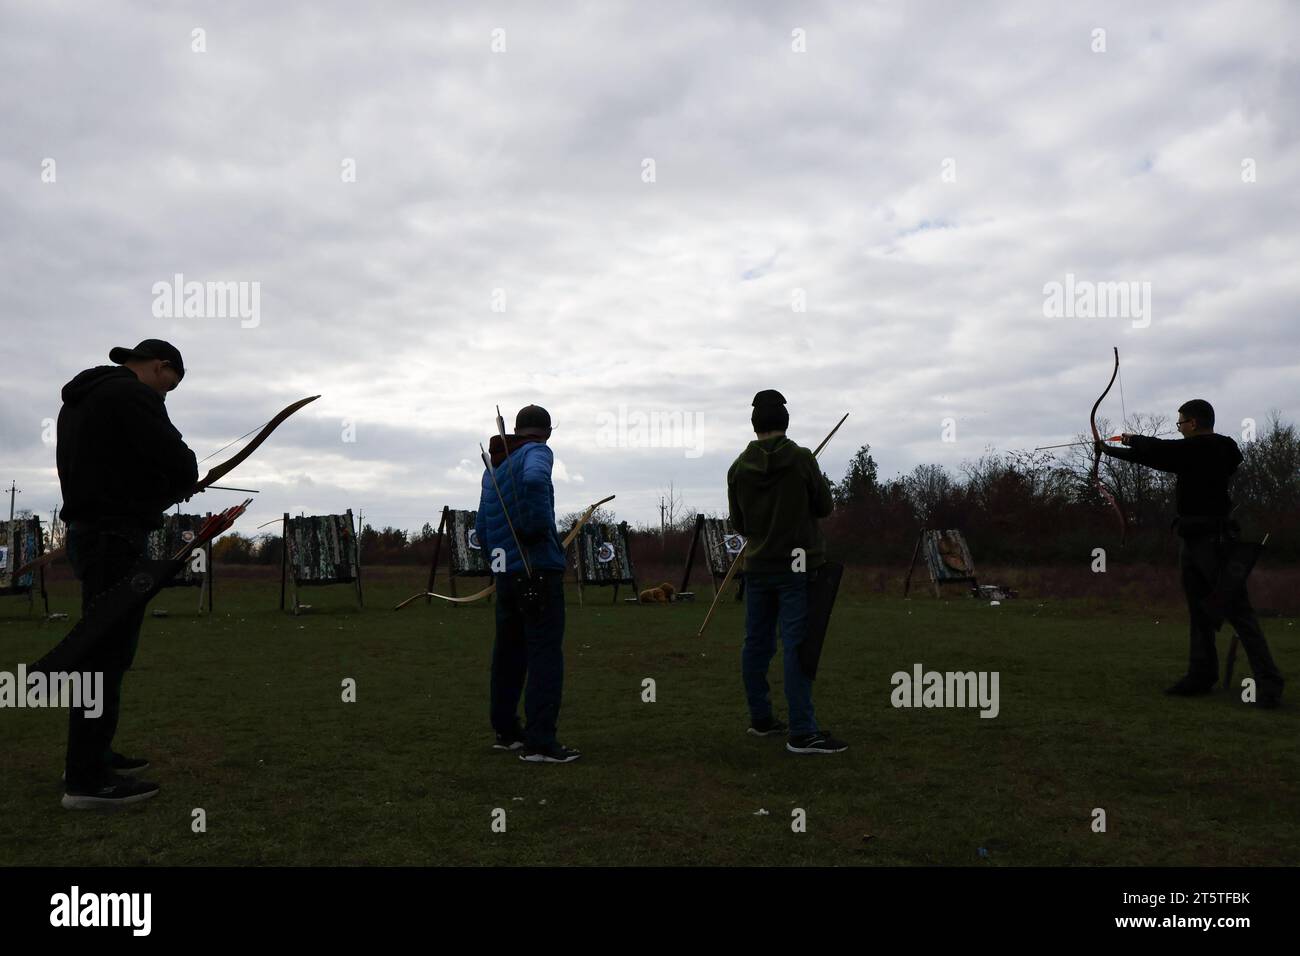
(529,612)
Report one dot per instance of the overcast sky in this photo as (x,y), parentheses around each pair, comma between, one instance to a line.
(621,208)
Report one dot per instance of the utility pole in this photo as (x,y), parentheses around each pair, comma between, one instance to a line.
(13,492)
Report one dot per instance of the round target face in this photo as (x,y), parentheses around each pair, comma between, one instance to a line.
(472,540)
(606,553)
(734,543)
(187,536)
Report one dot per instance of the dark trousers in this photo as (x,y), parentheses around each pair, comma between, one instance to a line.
(101,559)
(1200,561)
(528,659)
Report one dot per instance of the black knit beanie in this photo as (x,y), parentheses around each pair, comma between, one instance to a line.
(770,413)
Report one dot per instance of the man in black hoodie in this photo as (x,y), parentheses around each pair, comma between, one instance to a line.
(1204,463)
(776,492)
(121,464)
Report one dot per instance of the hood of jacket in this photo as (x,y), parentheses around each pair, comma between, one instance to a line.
(83,383)
(765,461)
(499,453)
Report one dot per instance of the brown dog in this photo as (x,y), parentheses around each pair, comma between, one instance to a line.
(663,594)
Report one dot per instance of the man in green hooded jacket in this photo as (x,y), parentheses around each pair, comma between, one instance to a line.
(777,493)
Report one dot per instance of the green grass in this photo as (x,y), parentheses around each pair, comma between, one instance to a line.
(242,716)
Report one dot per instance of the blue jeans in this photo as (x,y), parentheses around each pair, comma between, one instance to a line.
(772,598)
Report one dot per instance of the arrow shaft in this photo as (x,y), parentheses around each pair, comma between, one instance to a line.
(1070,444)
(487,463)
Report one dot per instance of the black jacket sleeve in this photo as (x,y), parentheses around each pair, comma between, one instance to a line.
(157,443)
(1159,453)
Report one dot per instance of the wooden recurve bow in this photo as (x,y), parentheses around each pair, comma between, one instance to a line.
(216,473)
(1096,456)
(479,595)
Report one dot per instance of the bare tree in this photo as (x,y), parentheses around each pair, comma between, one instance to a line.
(672,506)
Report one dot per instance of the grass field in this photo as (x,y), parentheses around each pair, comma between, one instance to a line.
(242,716)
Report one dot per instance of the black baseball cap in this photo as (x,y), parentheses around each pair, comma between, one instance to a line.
(533,416)
(150,349)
